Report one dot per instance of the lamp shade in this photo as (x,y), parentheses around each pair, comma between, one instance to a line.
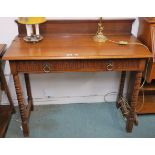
(31,20)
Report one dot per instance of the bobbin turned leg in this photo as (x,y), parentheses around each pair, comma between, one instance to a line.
(21,104)
(28,89)
(121,88)
(133,96)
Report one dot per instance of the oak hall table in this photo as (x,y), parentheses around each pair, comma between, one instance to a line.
(68,46)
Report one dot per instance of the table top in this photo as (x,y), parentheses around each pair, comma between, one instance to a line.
(150,20)
(75,47)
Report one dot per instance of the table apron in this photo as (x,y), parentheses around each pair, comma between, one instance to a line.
(97,65)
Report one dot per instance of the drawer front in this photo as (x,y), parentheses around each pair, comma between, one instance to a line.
(48,66)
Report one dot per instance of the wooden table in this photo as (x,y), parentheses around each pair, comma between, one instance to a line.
(75,51)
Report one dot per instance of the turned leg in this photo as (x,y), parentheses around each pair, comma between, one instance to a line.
(4,87)
(28,89)
(21,104)
(2,84)
(131,119)
(121,88)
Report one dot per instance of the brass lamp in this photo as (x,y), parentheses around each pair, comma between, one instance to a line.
(32,36)
(99,37)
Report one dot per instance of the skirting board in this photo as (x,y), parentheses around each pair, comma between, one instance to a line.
(67,100)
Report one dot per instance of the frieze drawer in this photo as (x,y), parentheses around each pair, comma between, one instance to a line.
(48,66)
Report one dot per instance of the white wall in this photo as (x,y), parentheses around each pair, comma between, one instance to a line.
(63,88)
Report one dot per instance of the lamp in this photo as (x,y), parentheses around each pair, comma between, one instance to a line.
(99,37)
(32,36)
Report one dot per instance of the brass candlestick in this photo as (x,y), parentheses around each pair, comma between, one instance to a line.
(33,35)
(99,37)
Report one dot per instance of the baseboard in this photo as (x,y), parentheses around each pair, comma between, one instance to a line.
(65,100)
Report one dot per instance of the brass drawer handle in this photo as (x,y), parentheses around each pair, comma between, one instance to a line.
(46,68)
(109,67)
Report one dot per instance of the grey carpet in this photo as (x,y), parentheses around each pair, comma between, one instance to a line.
(97,120)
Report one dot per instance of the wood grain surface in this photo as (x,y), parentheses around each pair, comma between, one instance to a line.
(75,47)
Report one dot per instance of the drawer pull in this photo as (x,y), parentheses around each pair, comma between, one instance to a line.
(109,67)
(46,68)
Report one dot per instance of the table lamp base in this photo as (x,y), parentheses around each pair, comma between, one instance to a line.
(33,38)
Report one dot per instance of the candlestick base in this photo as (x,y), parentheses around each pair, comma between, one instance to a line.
(100,38)
(33,38)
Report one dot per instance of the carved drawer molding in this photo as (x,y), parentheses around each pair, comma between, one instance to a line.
(48,66)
